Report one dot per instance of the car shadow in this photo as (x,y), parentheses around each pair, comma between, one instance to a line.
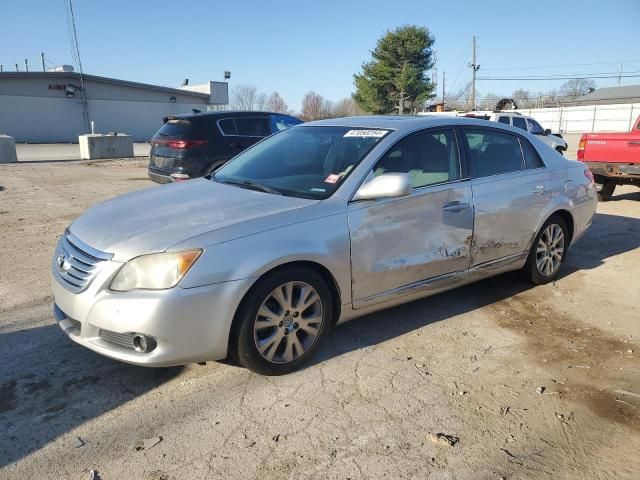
(610,235)
(626,196)
(49,386)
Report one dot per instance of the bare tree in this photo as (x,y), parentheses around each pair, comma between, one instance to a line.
(244,97)
(275,103)
(576,87)
(315,107)
(523,98)
(347,107)
(489,101)
(261,101)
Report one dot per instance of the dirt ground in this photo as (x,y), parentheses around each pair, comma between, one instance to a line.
(467,363)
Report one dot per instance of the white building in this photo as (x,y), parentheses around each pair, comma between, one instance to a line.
(48,106)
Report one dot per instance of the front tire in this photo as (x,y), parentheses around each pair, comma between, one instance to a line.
(283,320)
(548,251)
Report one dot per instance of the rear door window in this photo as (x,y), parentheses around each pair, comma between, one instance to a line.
(227,126)
(531,158)
(253,127)
(493,152)
(520,122)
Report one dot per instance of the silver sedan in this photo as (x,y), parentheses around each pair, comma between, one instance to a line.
(314,226)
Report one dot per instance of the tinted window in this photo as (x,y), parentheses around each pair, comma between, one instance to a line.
(283,122)
(531,158)
(535,127)
(428,158)
(504,120)
(309,162)
(493,152)
(253,127)
(176,129)
(227,126)
(520,123)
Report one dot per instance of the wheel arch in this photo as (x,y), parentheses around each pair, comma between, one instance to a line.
(568,219)
(322,270)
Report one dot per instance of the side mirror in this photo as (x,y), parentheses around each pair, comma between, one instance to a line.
(547,132)
(388,185)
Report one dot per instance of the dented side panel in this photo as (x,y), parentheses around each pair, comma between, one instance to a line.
(398,242)
(508,210)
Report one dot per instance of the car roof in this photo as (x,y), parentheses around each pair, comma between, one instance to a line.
(224,114)
(400,122)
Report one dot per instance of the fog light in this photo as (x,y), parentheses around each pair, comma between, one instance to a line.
(143,343)
(179,177)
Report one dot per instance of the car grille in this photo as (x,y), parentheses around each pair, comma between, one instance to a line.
(75,264)
(122,339)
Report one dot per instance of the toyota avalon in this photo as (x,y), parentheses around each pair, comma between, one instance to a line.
(311,227)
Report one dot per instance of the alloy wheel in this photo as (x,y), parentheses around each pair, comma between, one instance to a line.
(550,250)
(288,322)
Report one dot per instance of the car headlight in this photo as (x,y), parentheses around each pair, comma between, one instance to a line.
(155,271)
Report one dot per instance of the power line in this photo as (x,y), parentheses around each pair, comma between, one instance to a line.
(75,53)
(561,66)
(571,75)
(558,78)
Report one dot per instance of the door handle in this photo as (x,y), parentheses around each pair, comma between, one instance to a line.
(455,206)
(540,189)
(633,143)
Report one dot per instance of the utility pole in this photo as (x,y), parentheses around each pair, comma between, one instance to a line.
(42,57)
(474,68)
(619,74)
(443,77)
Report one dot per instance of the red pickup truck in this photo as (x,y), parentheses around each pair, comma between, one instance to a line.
(613,158)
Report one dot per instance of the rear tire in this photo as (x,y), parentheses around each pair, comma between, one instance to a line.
(283,320)
(606,192)
(548,251)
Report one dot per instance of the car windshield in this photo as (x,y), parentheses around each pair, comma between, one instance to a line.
(308,162)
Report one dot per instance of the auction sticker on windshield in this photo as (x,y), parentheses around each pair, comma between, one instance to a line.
(365,133)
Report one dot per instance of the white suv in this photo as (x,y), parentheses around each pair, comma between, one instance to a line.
(528,124)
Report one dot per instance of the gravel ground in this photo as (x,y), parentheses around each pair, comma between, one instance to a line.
(522,382)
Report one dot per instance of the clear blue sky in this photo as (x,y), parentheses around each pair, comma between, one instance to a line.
(297,46)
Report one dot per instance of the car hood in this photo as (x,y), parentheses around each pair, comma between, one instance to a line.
(154,219)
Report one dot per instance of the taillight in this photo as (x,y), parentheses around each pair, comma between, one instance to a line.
(180,144)
(581,146)
(589,175)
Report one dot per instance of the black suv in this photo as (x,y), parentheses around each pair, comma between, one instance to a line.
(189,146)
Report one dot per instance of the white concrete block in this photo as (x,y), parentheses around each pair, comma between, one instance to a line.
(7,149)
(93,146)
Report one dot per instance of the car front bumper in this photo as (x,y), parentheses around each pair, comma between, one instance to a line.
(187,324)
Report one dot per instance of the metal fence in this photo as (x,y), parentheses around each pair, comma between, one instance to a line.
(592,118)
